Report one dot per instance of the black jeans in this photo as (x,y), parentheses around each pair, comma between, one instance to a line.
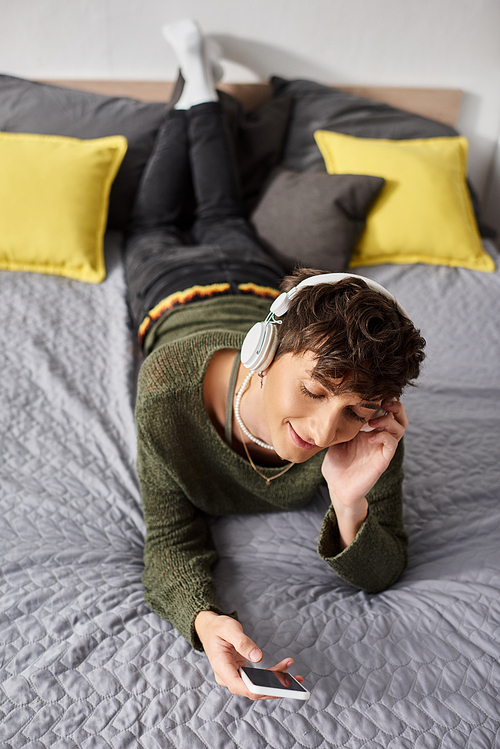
(191,155)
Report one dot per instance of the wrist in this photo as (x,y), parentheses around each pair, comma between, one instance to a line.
(348,508)
(203,620)
(349,521)
(351,513)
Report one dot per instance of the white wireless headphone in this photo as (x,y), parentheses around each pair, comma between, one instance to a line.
(261,341)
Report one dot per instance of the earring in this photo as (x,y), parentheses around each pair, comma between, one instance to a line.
(261,380)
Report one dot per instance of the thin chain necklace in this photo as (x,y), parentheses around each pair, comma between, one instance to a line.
(250,435)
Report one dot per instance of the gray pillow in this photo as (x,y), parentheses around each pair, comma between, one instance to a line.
(32,107)
(320,107)
(317,106)
(258,137)
(314,219)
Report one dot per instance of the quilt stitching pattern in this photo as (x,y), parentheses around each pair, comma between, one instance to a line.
(85,663)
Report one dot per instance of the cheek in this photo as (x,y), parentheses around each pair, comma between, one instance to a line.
(346,429)
(353,428)
(281,401)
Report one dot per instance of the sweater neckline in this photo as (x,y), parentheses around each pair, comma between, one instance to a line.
(228,427)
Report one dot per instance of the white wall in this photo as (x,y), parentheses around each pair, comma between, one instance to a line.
(441,43)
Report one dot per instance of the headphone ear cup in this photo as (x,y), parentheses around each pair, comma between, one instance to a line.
(259,346)
(269,348)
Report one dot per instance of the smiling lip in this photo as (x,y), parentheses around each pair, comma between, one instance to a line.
(299,441)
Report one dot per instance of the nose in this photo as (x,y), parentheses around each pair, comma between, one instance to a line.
(326,424)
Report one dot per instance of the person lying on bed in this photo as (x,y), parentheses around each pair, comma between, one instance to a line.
(219,436)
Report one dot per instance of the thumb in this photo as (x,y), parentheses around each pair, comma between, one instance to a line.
(255,654)
(247,648)
(232,632)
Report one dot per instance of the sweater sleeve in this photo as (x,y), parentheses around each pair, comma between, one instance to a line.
(179,552)
(378,555)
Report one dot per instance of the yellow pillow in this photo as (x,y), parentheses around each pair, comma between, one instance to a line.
(54,194)
(423,214)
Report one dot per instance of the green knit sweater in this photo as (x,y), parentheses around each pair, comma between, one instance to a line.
(186,469)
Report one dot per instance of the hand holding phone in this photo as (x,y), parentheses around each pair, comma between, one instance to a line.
(228,649)
(273,683)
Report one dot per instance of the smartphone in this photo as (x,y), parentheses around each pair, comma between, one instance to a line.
(273,683)
(376,415)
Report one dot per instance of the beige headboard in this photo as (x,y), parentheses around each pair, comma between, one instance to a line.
(438,103)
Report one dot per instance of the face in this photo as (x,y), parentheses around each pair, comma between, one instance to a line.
(302,416)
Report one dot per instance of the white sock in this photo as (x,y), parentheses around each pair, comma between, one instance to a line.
(193,54)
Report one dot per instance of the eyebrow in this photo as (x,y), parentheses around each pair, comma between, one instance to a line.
(363,404)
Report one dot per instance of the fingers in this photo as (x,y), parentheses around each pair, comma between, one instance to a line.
(394,421)
(280,668)
(228,648)
(397,409)
(284,665)
(232,650)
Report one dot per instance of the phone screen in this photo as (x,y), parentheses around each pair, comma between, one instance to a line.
(274,679)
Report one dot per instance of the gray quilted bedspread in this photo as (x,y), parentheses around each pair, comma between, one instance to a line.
(85,663)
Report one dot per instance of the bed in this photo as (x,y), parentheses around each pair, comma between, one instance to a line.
(83,660)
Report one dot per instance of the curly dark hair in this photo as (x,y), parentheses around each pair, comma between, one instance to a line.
(360,339)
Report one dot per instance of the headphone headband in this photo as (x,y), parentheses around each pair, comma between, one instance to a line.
(281,303)
(260,344)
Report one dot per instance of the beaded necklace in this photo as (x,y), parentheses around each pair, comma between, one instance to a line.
(257,441)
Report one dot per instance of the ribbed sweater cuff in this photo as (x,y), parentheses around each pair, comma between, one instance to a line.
(373,561)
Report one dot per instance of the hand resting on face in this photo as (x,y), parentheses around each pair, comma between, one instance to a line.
(352,468)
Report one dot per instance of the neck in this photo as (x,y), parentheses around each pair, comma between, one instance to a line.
(215,397)
(252,406)
(251,412)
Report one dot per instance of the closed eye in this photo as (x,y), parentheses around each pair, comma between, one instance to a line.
(353,415)
(309,394)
